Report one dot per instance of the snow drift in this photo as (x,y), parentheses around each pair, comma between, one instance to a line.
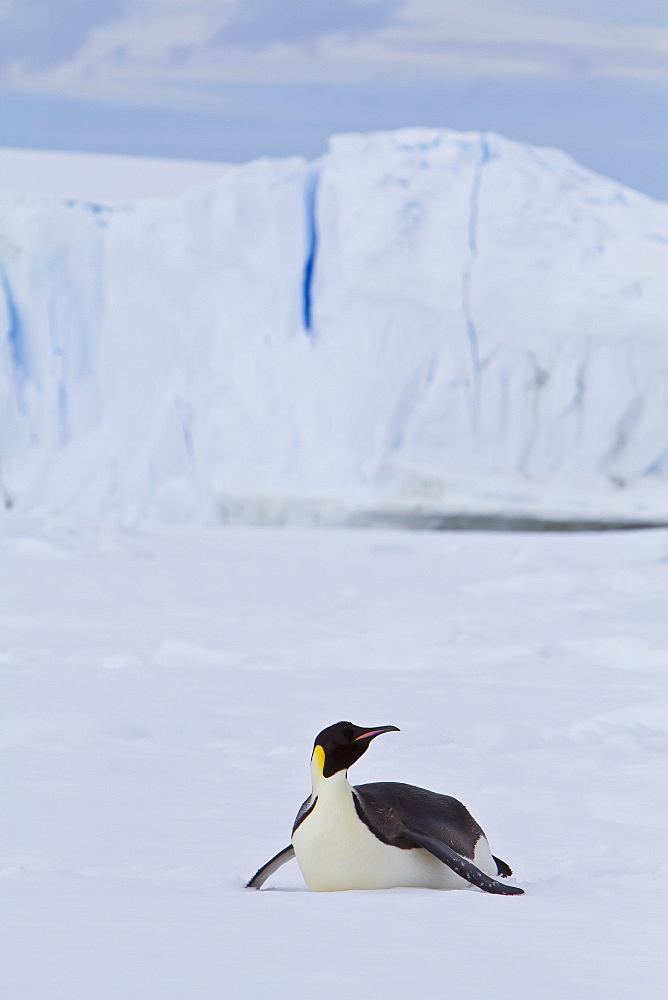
(420,319)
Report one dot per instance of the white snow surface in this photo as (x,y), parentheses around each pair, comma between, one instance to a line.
(161,689)
(419,319)
(97,177)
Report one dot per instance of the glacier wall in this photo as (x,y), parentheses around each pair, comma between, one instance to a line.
(420,319)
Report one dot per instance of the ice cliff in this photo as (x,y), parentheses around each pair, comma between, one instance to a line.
(419,319)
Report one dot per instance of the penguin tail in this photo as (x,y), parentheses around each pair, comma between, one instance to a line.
(502,868)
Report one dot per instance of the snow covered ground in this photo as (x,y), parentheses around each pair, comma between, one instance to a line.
(101,178)
(161,689)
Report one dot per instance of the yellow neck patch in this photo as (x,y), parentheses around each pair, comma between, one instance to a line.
(318,760)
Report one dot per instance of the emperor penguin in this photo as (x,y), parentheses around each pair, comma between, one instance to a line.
(384,834)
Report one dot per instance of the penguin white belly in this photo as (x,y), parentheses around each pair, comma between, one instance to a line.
(335,850)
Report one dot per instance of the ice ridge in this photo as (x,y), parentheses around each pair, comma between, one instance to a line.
(311,195)
(466,284)
(421,318)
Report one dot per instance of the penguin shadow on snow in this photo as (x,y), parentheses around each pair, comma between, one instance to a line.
(381,835)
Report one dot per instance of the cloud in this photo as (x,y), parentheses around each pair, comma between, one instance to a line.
(259,23)
(44,33)
(638,12)
(186,52)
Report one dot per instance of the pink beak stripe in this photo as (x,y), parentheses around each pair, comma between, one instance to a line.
(372,732)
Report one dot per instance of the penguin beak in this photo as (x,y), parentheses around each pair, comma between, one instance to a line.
(376,732)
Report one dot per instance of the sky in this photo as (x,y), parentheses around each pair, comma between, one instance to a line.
(237,79)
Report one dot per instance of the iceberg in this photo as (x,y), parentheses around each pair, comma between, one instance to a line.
(419,321)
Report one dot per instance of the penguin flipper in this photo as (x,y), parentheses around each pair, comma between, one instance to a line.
(466,869)
(263,873)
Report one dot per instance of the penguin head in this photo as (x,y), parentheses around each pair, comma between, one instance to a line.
(339,746)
